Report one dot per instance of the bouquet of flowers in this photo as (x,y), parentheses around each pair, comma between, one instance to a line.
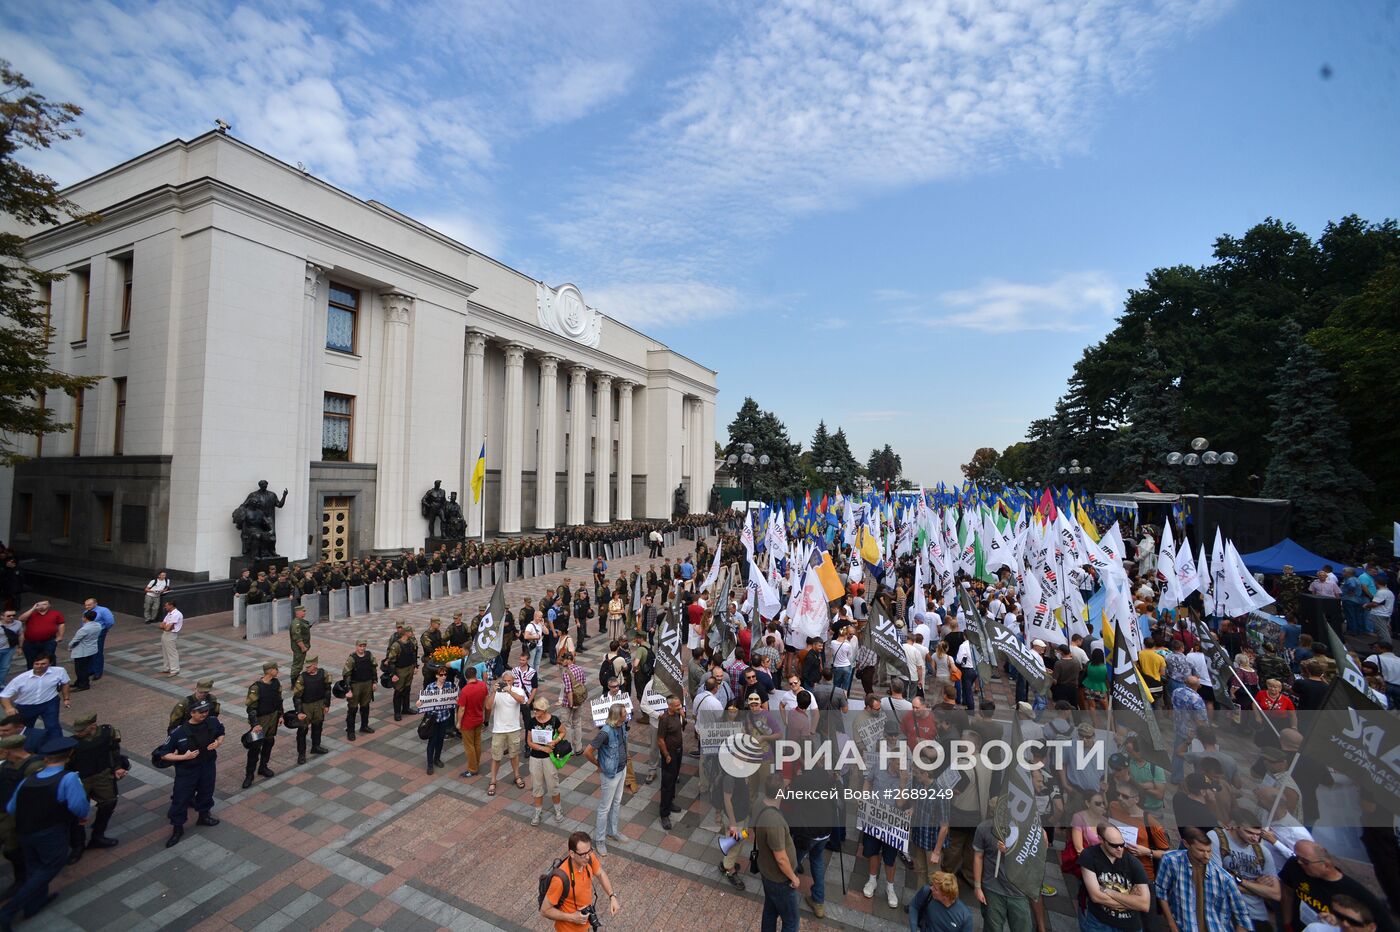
(445,655)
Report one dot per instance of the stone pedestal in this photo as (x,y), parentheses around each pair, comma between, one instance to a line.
(431,544)
(268,565)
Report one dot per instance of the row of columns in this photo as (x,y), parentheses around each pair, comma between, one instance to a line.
(513,441)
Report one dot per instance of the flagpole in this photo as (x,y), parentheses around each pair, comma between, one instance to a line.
(1273,810)
(483,490)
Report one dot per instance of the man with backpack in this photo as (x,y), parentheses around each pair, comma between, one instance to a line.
(575,710)
(566,890)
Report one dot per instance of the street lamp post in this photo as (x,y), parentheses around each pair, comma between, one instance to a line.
(827,469)
(1200,455)
(745,463)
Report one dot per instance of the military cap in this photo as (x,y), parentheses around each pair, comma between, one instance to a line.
(362,643)
(435,620)
(12,742)
(83,721)
(270,665)
(204,684)
(312,659)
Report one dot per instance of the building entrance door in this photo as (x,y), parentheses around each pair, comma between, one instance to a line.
(335,529)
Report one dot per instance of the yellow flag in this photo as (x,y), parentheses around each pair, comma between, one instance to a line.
(1085,523)
(479,474)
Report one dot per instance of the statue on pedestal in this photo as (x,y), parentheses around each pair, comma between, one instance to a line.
(434,504)
(679,505)
(453,522)
(256,520)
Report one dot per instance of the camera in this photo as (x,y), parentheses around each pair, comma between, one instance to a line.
(592,913)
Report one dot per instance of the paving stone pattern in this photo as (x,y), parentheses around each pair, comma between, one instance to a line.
(362,838)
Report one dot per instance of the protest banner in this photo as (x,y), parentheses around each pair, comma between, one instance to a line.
(1017,823)
(669,674)
(883,819)
(714,734)
(654,703)
(1359,737)
(427,702)
(602,704)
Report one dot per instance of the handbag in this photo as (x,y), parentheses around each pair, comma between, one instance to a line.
(956,671)
(425,728)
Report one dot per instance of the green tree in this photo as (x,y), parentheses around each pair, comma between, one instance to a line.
(883,466)
(1148,425)
(782,476)
(29,121)
(1311,464)
(848,468)
(1016,463)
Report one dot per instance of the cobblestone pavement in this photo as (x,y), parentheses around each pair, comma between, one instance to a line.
(362,838)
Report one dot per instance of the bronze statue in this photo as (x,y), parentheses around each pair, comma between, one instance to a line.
(453,523)
(680,506)
(433,506)
(256,520)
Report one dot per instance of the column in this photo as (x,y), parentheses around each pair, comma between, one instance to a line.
(624,450)
(513,456)
(293,537)
(545,500)
(695,441)
(707,448)
(474,416)
(578,443)
(391,494)
(602,461)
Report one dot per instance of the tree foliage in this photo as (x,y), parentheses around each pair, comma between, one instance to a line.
(29,121)
(884,466)
(1196,350)
(984,460)
(782,476)
(1311,464)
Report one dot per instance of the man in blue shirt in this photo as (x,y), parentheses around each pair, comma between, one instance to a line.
(687,572)
(105,619)
(42,806)
(1353,597)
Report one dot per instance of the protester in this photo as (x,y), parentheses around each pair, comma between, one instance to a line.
(936,907)
(470,718)
(608,752)
(1116,886)
(1196,893)
(777,861)
(543,734)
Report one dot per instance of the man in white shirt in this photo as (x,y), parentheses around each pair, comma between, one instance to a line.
(35,694)
(170,627)
(1389,665)
(503,704)
(915,656)
(1381,607)
(1076,647)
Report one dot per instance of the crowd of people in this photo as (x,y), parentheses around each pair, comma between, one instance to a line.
(1214,834)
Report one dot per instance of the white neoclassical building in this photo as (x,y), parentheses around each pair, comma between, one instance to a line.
(249,321)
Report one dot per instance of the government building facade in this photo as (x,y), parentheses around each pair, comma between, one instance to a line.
(249,322)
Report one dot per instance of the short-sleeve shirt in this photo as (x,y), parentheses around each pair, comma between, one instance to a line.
(472,701)
(1115,876)
(536,729)
(30,689)
(580,892)
(42,626)
(771,834)
(505,713)
(985,841)
(1247,862)
(175,619)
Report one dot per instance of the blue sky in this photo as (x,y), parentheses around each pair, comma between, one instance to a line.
(907,217)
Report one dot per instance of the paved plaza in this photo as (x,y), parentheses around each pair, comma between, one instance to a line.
(362,838)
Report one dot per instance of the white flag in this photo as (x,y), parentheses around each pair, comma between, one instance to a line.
(764,594)
(1186,575)
(810,615)
(1166,566)
(746,536)
(713,574)
(776,539)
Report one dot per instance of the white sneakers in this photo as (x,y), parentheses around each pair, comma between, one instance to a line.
(873,884)
(870,886)
(535,820)
(890,896)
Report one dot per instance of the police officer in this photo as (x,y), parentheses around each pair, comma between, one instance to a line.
(358,673)
(402,661)
(300,634)
(264,702)
(99,762)
(42,806)
(181,713)
(16,763)
(310,697)
(193,749)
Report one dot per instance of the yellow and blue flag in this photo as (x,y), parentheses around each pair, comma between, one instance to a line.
(479,474)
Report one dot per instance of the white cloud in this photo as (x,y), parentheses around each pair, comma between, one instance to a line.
(829,323)
(653,305)
(1071,302)
(476,232)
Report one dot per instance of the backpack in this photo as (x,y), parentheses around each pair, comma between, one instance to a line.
(578,691)
(549,875)
(648,666)
(158,755)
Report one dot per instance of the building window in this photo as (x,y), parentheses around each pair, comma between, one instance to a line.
(78,398)
(104,518)
(337,425)
(65,514)
(39,440)
(342,318)
(126,266)
(119,422)
(83,279)
(24,523)
(134,519)
(46,302)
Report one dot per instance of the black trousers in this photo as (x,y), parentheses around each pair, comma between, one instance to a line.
(670,773)
(194,786)
(259,754)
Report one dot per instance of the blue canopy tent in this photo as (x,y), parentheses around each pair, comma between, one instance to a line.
(1287,553)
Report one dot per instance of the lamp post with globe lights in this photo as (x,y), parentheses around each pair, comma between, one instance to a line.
(746,465)
(1200,455)
(1074,469)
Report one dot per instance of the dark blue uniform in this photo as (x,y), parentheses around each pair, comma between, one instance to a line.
(194,779)
(43,806)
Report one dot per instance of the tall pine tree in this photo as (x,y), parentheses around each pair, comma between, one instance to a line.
(1149,423)
(1311,464)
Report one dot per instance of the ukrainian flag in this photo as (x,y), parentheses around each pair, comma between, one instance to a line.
(479,474)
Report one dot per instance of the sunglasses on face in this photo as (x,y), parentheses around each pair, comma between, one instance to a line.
(1349,920)
(1119,846)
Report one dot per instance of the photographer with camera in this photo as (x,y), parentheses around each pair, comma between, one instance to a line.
(503,705)
(567,890)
